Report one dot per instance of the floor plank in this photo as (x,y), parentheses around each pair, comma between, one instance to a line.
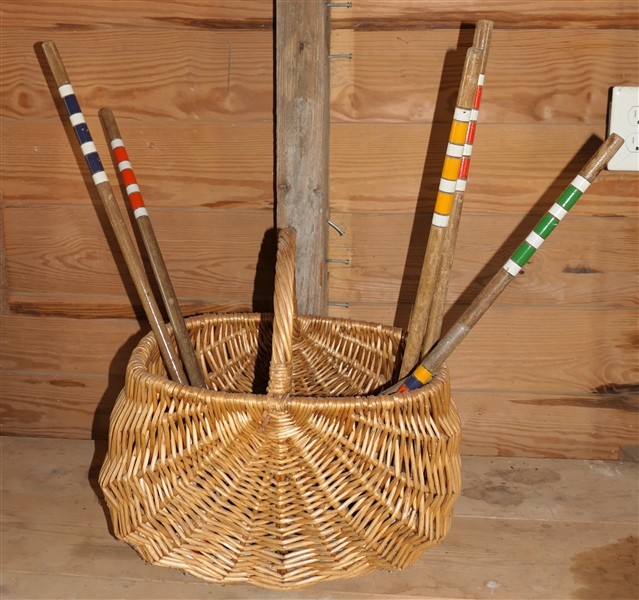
(524,528)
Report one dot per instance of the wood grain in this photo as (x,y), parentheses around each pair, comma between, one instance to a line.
(529,14)
(302,124)
(187,75)
(78,15)
(58,249)
(205,165)
(365,15)
(390,168)
(386,168)
(413,76)
(522,527)
(589,261)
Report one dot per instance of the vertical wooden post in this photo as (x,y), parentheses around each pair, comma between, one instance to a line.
(302,117)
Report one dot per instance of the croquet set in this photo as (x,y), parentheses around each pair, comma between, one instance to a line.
(283,449)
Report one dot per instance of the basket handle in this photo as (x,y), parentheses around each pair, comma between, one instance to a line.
(285,311)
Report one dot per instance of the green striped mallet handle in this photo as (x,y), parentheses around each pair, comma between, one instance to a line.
(189,358)
(101,181)
(483,35)
(489,294)
(441,214)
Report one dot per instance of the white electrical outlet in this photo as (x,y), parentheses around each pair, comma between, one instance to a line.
(624,121)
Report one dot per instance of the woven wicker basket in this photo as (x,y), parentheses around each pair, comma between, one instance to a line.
(310,480)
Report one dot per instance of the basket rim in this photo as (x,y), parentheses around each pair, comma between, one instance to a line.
(136,366)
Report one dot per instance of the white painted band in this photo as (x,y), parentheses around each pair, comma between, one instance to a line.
(100,177)
(462,114)
(132,188)
(140,212)
(474,115)
(534,239)
(461,185)
(117,143)
(66,90)
(468,149)
(440,220)
(447,186)
(480,80)
(557,211)
(88,148)
(454,150)
(581,183)
(77,119)
(124,165)
(512,267)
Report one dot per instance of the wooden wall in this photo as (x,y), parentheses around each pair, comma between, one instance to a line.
(552,368)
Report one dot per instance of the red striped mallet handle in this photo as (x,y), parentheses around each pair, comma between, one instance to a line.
(193,368)
(483,34)
(435,359)
(443,204)
(131,257)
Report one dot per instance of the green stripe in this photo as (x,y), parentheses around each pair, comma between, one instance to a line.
(546,226)
(523,254)
(569,197)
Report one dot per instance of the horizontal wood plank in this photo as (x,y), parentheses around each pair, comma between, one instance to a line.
(364,15)
(512,349)
(522,528)
(187,75)
(58,405)
(590,261)
(413,77)
(547,14)
(548,77)
(516,169)
(58,249)
(386,168)
(207,165)
(79,15)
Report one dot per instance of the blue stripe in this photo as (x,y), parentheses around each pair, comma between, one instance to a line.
(94,162)
(412,383)
(82,133)
(71,102)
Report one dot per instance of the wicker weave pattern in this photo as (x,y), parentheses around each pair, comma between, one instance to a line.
(307,483)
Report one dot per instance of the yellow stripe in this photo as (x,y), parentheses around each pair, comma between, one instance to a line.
(458,132)
(422,374)
(451,168)
(444,203)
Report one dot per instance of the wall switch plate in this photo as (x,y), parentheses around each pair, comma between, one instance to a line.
(624,121)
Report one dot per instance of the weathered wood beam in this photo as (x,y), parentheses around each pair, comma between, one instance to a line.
(302,36)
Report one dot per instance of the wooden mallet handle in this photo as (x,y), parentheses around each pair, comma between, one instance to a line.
(143,221)
(435,359)
(131,257)
(441,215)
(483,35)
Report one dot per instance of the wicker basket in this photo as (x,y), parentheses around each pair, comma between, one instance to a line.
(309,480)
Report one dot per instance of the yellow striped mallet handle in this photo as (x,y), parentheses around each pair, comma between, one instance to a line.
(131,257)
(458,332)
(450,173)
(162,277)
(483,35)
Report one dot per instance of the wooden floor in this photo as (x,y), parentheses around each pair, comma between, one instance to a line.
(524,528)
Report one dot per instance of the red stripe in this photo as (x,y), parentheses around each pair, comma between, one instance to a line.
(470,136)
(465,165)
(128,177)
(135,199)
(477,99)
(120,154)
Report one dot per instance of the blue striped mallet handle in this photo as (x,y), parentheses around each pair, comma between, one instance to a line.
(435,359)
(131,257)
